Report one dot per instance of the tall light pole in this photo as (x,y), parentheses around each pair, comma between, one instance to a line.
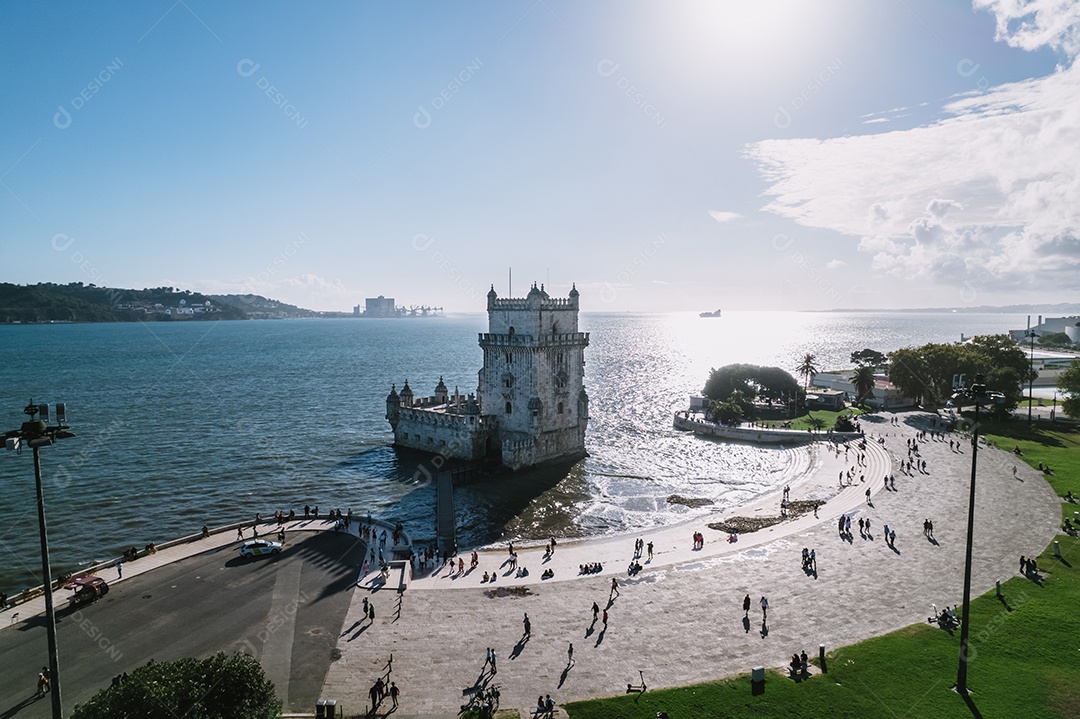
(36,433)
(977,392)
(1031,369)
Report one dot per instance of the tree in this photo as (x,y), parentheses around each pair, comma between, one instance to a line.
(844,423)
(218,687)
(869,358)
(1069,383)
(863,380)
(751,381)
(1055,339)
(807,369)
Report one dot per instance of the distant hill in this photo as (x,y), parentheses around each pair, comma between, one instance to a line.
(1062,309)
(76,302)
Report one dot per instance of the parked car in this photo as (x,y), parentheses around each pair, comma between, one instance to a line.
(259,548)
(87,590)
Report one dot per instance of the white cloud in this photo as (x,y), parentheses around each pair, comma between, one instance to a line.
(992,191)
(835,264)
(1030,24)
(721,216)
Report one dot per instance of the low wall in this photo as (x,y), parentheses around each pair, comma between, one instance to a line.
(398,551)
(758,435)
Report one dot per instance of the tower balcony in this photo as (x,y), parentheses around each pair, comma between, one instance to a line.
(561,339)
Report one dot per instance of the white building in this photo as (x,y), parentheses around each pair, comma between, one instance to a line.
(530,405)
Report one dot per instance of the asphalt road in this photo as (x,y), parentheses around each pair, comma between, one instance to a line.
(286,610)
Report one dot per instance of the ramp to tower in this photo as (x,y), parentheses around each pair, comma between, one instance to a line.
(445,516)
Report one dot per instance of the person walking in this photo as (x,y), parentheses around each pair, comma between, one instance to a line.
(614,588)
(868,495)
(119,570)
(527,625)
(570,655)
(764,609)
(746,605)
(494,667)
(605,619)
(595,611)
(649,546)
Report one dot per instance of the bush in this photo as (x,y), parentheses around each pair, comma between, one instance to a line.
(218,687)
(844,423)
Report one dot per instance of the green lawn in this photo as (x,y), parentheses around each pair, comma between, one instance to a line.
(825,415)
(1025,650)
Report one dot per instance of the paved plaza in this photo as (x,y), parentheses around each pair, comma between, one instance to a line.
(681,619)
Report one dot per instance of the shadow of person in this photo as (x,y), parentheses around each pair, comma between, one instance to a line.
(893,547)
(600,637)
(519,647)
(16,708)
(746,624)
(764,629)
(934,541)
(565,671)
(589,630)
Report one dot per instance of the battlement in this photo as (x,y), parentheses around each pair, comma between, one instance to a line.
(563,339)
(524,303)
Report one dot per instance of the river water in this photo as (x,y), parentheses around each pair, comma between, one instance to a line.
(185,423)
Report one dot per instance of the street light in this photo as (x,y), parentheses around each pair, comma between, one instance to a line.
(1031,368)
(36,433)
(978,394)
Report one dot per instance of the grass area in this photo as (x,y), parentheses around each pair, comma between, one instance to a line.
(827,416)
(1024,656)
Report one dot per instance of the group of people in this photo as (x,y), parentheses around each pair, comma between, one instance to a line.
(809,560)
(639,548)
(800,664)
(545,706)
(699,540)
(590,568)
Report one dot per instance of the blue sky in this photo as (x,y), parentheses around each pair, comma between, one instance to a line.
(663,156)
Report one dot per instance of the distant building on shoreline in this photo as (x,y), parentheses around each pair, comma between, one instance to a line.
(385,307)
(530,406)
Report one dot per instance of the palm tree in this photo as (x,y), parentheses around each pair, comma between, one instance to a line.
(863,381)
(807,369)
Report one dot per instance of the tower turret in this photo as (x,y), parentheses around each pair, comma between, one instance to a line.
(393,406)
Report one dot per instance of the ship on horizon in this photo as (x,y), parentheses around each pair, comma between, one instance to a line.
(710,314)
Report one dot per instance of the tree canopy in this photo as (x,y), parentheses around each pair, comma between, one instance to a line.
(752,381)
(1069,383)
(869,358)
(218,687)
(863,381)
(926,373)
(807,368)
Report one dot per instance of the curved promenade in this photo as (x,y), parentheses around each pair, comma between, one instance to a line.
(681,620)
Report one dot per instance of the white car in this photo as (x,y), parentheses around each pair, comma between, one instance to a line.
(259,548)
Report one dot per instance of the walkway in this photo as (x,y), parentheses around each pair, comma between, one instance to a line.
(681,620)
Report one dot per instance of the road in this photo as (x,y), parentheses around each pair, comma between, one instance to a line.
(287,610)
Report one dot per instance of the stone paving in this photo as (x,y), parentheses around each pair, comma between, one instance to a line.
(681,620)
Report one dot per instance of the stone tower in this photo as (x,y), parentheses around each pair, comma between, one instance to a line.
(532,382)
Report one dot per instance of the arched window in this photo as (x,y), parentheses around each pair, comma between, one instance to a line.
(560,408)
(509,408)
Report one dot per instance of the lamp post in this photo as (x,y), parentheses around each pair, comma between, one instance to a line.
(36,433)
(977,391)
(1031,369)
